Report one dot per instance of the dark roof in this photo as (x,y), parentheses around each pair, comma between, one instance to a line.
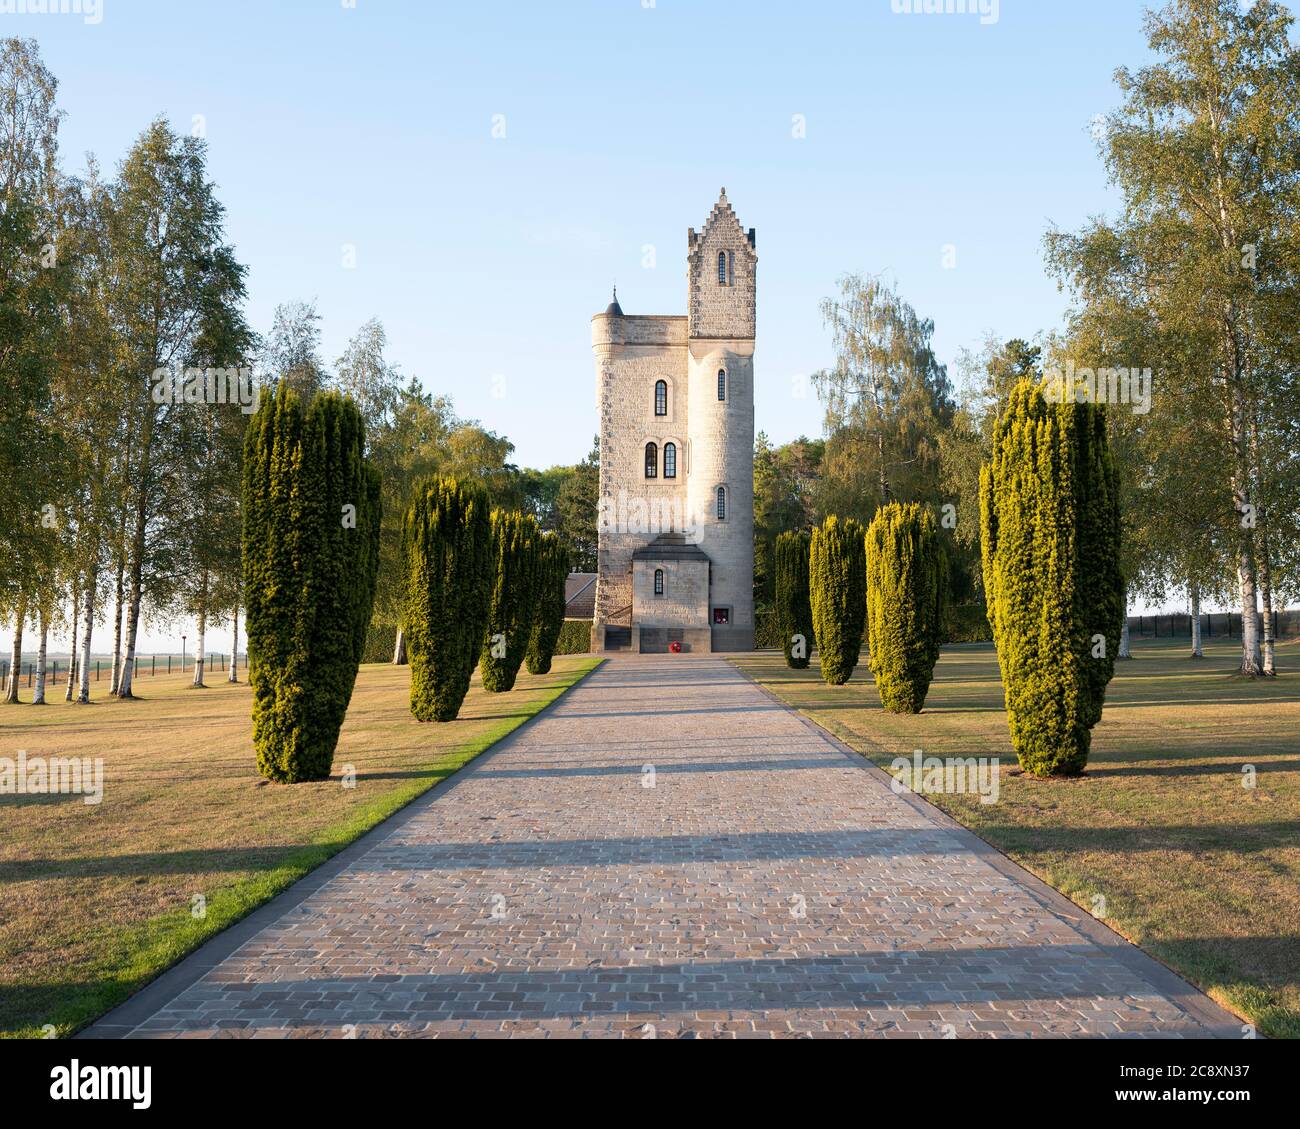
(580,595)
(670,547)
(614,308)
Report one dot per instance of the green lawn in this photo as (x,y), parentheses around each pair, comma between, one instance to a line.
(97,900)
(1200,871)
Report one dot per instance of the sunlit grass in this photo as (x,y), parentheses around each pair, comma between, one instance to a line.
(97,900)
(1200,871)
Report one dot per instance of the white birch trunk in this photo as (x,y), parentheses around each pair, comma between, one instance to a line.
(119,594)
(199,656)
(38,691)
(83,691)
(1123,632)
(234,645)
(1251,660)
(72,645)
(1266,599)
(16,659)
(399,649)
(1198,651)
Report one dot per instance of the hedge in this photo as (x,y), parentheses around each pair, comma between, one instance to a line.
(1050,538)
(515,561)
(575,637)
(838,594)
(447,562)
(907,581)
(548,604)
(311,512)
(793,603)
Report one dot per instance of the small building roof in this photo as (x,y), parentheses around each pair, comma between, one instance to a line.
(670,547)
(580,595)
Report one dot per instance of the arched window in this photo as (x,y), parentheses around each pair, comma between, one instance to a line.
(722,384)
(659,582)
(670,460)
(722,268)
(651,461)
(661,397)
(722,503)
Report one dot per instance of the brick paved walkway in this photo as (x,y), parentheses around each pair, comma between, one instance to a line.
(767,882)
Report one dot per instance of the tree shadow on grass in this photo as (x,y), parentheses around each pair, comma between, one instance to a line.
(216,860)
(1220,838)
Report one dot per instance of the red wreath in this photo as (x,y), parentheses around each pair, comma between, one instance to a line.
(675,648)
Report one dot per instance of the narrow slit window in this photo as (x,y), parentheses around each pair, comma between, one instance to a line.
(661,398)
(722,384)
(722,503)
(651,461)
(670,460)
(659,582)
(722,268)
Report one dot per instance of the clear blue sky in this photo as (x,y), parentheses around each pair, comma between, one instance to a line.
(373,126)
(486,257)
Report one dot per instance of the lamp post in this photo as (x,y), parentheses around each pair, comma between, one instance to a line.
(182,654)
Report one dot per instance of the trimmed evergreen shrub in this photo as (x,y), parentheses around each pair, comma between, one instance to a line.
(516,542)
(447,565)
(311,512)
(1050,533)
(548,610)
(967,623)
(907,583)
(793,604)
(767,630)
(837,582)
(575,637)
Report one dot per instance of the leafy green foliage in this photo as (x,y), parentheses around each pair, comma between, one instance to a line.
(548,606)
(447,561)
(575,637)
(793,604)
(1050,535)
(311,544)
(907,581)
(516,552)
(838,594)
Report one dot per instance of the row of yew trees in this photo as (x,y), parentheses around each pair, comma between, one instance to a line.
(482,586)
(1050,529)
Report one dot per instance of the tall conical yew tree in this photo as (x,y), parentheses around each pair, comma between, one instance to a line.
(837,581)
(515,552)
(793,607)
(311,515)
(446,559)
(548,607)
(907,583)
(1050,533)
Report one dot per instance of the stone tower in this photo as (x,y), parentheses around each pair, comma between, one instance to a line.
(676,402)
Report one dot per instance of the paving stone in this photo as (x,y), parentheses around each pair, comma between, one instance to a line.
(767,885)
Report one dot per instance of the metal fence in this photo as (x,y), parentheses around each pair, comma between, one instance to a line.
(1220,625)
(57,673)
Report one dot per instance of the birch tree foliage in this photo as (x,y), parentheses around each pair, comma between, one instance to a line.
(886,398)
(30,282)
(168,265)
(1203,151)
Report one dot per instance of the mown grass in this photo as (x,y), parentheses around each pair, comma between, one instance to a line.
(95,901)
(1200,871)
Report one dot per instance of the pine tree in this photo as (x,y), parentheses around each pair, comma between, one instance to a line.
(446,559)
(310,542)
(907,580)
(793,608)
(838,594)
(548,613)
(1050,527)
(515,551)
